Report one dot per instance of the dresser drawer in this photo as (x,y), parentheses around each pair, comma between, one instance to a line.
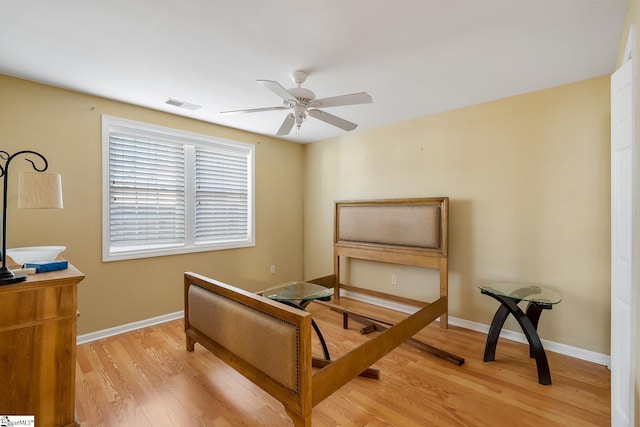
(36,304)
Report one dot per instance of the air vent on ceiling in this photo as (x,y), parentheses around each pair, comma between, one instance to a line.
(182,104)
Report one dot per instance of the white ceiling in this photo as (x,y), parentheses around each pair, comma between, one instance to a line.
(414,57)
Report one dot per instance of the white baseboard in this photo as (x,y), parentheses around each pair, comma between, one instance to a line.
(578,353)
(567,350)
(98,335)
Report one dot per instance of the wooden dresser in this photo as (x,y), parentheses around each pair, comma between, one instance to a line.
(38,347)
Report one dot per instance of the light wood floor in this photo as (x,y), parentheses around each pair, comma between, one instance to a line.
(147,378)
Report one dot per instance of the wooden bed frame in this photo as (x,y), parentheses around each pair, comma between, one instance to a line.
(270,343)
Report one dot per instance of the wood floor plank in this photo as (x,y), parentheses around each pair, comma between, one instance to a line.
(147,378)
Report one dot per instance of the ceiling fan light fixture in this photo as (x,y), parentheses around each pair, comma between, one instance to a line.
(300,114)
(301,100)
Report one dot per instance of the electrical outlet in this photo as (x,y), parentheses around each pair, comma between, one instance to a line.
(394,279)
(272,269)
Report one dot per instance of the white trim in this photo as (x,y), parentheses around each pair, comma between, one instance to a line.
(567,350)
(117,330)
(578,353)
(115,125)
(392,305)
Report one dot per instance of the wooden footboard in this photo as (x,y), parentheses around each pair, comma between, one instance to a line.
(267,342)
(270,343)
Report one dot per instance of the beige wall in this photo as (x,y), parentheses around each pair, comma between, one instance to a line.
(65,126)
(528,179)
(633,17)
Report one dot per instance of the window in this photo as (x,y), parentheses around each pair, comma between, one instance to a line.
(167,191)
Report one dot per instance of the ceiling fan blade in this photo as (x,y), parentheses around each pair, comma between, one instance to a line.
(350,99)
(255,110)
(287,125)
(276,88)
(332,120)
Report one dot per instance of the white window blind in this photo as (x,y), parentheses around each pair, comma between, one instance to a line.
(147,194)
(221,196)
(167,191)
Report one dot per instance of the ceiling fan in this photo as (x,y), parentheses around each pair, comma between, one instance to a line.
(303,102)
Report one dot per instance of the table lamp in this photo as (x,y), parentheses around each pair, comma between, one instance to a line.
(36,190)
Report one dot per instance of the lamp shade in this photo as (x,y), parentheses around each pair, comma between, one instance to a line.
(40,190)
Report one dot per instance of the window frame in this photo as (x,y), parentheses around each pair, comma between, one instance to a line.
(190,141)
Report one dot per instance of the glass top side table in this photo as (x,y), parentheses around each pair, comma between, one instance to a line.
(302,292)
(509,295)
(520,292)
(299,295)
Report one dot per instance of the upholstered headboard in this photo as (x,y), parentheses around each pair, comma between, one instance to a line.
(418,224)
(399,231)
